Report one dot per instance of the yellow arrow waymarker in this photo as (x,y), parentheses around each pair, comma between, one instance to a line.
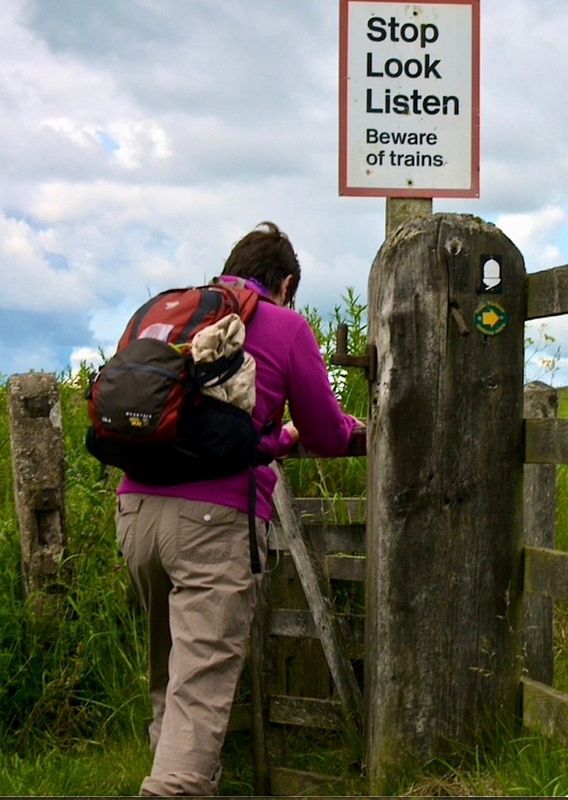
(490,318)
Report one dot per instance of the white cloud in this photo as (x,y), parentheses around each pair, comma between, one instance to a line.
(84,136)
(31,283)
(84,356)
(128,143)
(532,232)
(136,141)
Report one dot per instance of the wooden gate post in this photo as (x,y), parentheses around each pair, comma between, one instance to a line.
(540,401)
(38,467)
(445,489)
(400,209)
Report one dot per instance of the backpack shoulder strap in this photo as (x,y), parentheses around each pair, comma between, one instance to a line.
(245,299)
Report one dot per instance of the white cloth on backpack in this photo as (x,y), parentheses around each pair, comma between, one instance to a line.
(224,338)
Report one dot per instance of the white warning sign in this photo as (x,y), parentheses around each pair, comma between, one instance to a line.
(409,98)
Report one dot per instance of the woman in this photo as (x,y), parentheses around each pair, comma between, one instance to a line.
(187,546)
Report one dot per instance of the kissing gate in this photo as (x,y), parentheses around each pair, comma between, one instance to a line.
(449,561)
(455,642)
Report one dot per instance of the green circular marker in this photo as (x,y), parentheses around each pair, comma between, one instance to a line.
(491,319)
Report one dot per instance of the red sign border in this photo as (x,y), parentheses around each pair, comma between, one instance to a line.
(353,191)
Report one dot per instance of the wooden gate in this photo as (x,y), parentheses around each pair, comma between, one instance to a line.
(305,665)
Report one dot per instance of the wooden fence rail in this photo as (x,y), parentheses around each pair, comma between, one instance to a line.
(544,709)
(547,293)
(546,572)
(546,441)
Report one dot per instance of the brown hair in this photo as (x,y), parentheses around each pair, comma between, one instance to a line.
(267,255)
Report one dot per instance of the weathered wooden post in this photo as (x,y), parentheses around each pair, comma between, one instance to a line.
(446,313)
(540,401)
(400,209)
(38,468)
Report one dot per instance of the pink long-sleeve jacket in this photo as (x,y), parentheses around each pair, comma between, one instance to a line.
(289,367)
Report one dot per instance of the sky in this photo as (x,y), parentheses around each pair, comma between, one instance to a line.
(140,139)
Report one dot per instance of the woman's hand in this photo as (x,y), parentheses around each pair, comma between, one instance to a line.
(292,432)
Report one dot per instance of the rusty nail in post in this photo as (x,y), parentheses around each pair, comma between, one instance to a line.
(459,320)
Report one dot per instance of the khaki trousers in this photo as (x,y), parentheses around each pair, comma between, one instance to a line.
(190,563)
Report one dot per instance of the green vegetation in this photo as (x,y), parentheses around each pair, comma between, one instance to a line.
(73,704)
(73,682)
(341,476)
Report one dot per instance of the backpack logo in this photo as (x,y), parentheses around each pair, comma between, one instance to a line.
(138,420)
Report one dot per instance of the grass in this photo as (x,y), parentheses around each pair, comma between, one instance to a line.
(513,766)
(509,766)
(111,768)
(90,769)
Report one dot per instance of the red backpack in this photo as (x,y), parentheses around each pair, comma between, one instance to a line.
(147,412)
